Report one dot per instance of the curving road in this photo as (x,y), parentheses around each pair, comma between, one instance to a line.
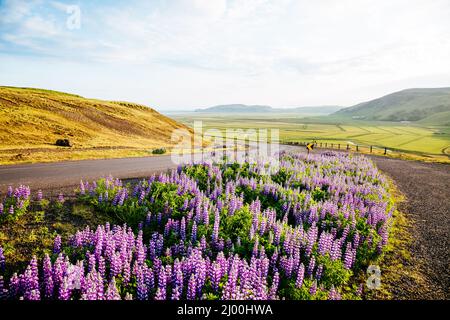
(425,185)
(69,173)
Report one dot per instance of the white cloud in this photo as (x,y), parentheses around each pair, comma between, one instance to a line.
(269,47)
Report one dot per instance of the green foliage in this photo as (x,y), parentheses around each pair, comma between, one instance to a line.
(236,225)
(159,151)
(334,272)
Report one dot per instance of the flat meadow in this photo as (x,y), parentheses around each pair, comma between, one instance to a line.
(404,137)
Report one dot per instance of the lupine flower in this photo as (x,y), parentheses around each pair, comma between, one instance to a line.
(39,195)
(302,230)
(2,260)
(300,276)
(57,245)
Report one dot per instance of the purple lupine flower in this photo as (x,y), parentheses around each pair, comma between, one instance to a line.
(10,191)
(64,290)
(162,282)
(82,189)
(312,264)
(194,232)
(111,292)
(191,290)
(334,294)
(39,195)
(183,229)
(141,287)
(3,291)
(2,260)
(348,256)
(274,287)
(319,271)
(61,198)
(300,276)
(48,277)
(313,288)
(215,234)
(359,291)
(57,245)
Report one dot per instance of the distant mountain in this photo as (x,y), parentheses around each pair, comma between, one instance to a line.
(242,108)
(431,106)
(317,109)
(236,108)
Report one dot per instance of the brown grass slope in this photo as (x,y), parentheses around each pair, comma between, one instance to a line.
(31,120)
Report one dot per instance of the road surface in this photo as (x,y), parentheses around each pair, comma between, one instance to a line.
(69,173)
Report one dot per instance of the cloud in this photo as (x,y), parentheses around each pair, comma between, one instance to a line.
(243,42)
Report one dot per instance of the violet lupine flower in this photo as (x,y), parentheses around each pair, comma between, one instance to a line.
(141,287)
(194,232)
(312,264)
(2,289)
(14,286)
(313,289)
(39,195)
(274,287)
(1,208)
(61,198)
(191,290)
(2,260)
(300,276)
(319,271)
(57,245)
(47,277)
(162,282)
(334,294)
(64,290)
(348,256)
(215,234)
(11,210)
(359,291)
(82,189)
(183,229)
(10,191)
(111,292)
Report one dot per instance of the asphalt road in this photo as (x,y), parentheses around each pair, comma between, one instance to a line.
(426,187)
(69,173)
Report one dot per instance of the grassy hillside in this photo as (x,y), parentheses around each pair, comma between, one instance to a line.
(31,120)
(430,106)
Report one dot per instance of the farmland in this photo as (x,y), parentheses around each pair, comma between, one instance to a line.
(407,137)
(305,230)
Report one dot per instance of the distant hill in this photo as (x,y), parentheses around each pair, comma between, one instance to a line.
(236,108)
(430,106)
(242,108)
(36,118)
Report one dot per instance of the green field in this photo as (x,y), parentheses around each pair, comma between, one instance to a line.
(407,137)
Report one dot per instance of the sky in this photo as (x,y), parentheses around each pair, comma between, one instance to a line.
(184,54)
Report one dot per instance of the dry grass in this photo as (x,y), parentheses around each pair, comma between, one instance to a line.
(31,120)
